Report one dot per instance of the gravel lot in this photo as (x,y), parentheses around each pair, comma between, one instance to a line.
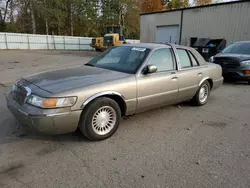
(175,146)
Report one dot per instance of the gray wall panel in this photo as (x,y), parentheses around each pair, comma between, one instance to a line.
(230,21)
(151,21)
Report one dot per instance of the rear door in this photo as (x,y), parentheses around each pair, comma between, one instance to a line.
(189,75)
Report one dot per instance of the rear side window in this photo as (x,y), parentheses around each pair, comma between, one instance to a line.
(184,58)
(163,59)
(194,61)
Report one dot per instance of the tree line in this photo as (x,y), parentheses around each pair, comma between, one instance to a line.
(80,17)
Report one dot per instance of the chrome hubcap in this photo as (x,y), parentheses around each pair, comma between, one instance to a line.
(203,94)
(104,120)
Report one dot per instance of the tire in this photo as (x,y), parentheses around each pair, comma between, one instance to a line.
(248,82)
(198,100)
(100,119)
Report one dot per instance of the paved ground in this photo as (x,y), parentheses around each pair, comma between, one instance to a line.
(15,64)
(176,146)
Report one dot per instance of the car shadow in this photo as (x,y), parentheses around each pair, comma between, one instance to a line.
(17,132)
(76,136)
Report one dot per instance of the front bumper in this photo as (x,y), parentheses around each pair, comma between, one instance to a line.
(47,121)
(238,73)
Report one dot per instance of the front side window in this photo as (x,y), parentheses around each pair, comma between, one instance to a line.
(163,59)
(184,58)
(122,58)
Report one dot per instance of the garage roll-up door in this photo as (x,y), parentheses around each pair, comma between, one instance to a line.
(168,34)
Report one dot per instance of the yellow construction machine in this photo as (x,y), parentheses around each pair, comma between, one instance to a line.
(97,43)
(113,37)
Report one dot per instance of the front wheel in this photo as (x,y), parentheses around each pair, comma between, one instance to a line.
(201,96)
(100,119)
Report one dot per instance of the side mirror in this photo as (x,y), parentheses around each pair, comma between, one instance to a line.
(150,69)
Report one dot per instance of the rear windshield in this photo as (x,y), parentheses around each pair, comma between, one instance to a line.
(238,48)
(126,59)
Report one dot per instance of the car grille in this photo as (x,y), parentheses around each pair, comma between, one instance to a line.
(227,62)
(20,94)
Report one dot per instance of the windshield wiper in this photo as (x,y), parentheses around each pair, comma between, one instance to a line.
(91,65)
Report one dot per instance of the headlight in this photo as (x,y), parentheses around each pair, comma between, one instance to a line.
(51,102)
(246,62)
(14,86)
(211,59)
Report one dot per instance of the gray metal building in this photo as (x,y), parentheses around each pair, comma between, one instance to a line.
(230,21)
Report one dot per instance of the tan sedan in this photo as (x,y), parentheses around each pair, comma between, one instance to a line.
(121,81)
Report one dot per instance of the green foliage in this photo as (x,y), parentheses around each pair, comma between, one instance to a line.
(174,4)
(80,17)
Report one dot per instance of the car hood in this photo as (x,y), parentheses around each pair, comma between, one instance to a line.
(67,79)
(239,57)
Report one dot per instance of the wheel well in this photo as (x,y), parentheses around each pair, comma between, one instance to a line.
(117,99)
(210,82)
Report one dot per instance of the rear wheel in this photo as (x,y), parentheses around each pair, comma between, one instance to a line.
(100,119)
(201,96)
(248,82)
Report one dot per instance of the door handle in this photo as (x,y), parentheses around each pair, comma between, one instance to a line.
(200,74)
(175,78)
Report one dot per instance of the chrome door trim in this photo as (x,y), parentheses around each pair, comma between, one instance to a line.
(102,94)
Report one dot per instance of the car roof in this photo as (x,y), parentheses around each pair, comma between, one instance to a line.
(155,45)
(146,45)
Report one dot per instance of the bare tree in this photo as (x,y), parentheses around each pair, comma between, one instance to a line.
(11,12)
(32,14)
(3,14)
(46,19)
(71,20)
(4,10)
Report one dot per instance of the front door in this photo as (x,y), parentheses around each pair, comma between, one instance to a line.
(160,88)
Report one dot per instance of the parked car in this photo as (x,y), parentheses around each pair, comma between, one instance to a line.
(235,61)
(122,81)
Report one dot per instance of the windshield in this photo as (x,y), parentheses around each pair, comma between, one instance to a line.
(123,59)
(238,48)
